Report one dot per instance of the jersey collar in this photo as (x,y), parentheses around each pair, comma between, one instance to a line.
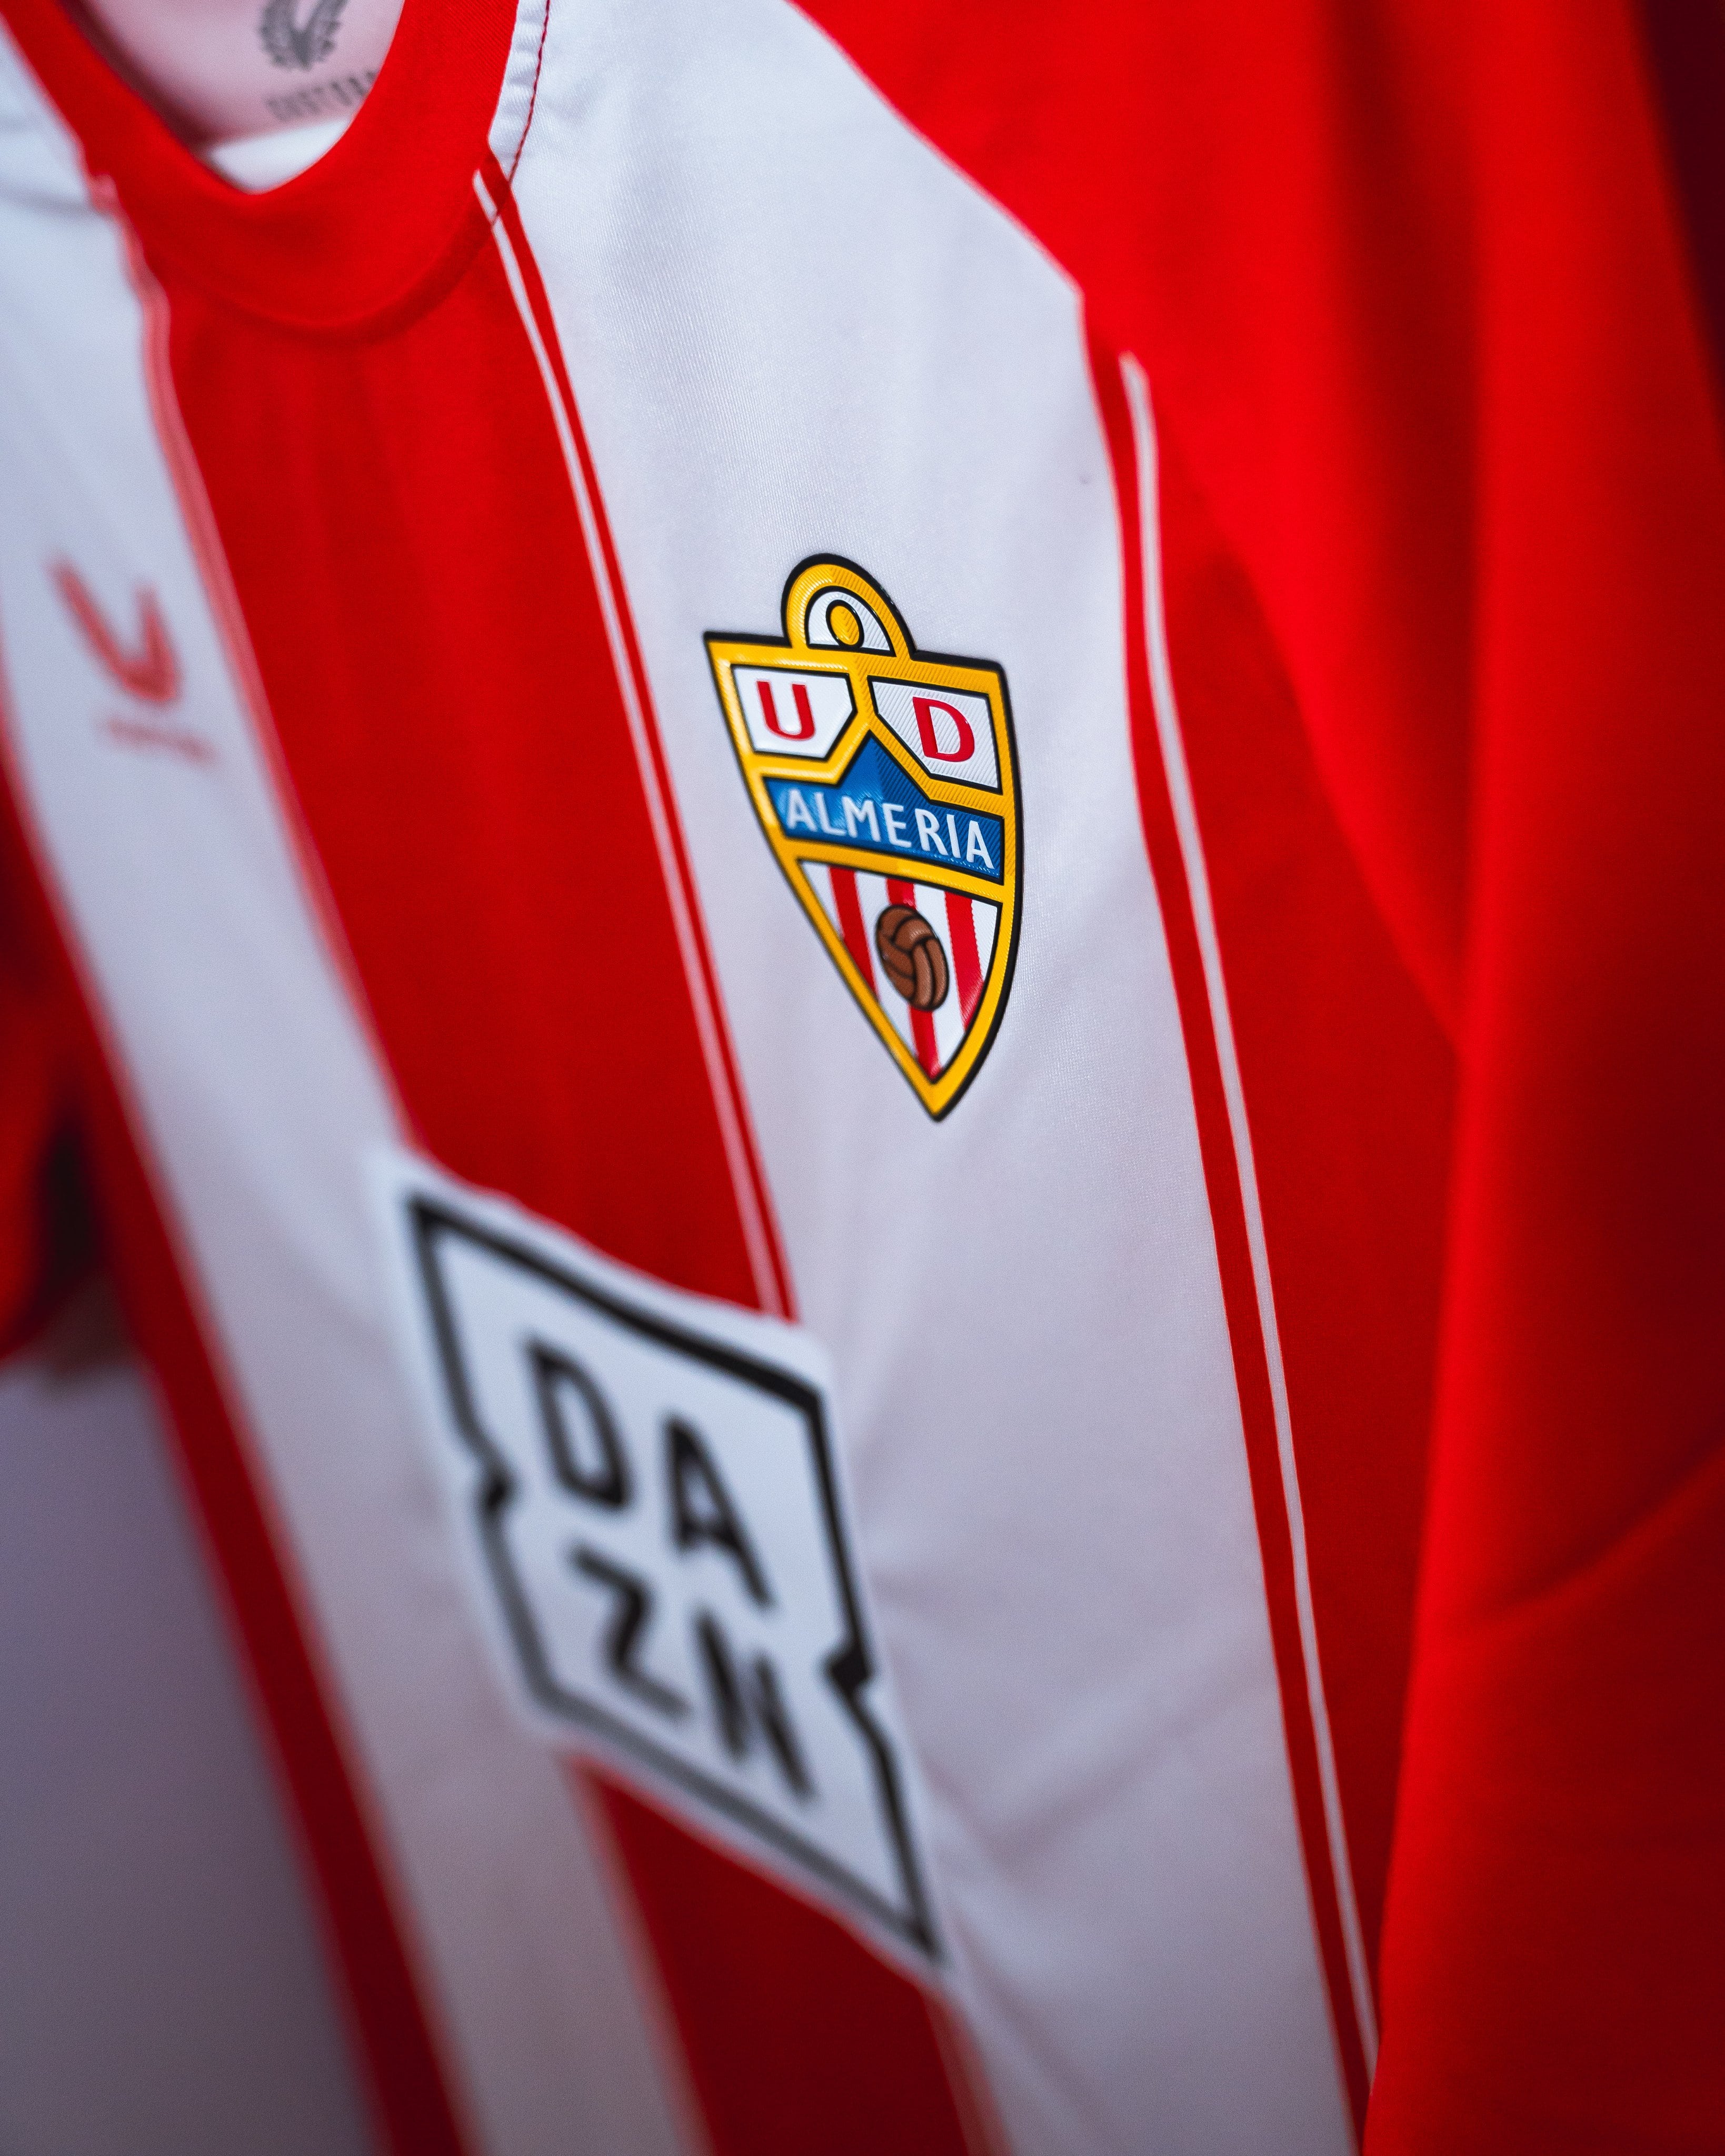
(371,231)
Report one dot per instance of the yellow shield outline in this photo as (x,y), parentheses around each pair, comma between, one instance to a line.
(823,578)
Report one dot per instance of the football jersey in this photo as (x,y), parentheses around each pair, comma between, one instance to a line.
(786,1163)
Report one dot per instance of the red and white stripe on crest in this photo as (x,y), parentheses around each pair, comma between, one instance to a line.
(854,900)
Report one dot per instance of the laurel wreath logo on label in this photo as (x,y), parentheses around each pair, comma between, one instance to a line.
(293,44)
(885,780)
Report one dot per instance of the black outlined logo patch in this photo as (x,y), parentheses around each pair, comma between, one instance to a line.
(652,1496)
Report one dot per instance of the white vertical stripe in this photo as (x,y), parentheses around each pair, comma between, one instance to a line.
(757,1235)
(1179,785)
(986,918)
(1117,1840)
(820,882)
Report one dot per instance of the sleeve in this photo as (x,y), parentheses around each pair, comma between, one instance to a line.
(1552,1965)
(1412,284)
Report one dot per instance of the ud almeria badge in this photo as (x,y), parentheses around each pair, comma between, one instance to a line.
(885,780)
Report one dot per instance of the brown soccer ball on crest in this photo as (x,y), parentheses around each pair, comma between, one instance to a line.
(912,954)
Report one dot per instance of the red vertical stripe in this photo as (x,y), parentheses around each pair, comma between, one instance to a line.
(851,925)
(921,1023)
(797,2043)
(747,1176)
(966,966)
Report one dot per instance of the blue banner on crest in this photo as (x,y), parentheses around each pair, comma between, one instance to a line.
(876,805)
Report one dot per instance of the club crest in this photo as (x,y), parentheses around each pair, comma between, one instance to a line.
(886,781)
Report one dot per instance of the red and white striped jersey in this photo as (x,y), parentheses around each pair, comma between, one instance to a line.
(787,1183)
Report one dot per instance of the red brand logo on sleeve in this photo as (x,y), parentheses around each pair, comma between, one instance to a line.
(148,668)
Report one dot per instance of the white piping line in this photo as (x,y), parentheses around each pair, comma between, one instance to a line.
(706,1022)
(1180,787)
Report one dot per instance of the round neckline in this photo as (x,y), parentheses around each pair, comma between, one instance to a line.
(360,234)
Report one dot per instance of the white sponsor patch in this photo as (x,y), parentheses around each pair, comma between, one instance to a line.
(648,1489)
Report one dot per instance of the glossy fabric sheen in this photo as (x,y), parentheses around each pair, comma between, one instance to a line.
(1441,517)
